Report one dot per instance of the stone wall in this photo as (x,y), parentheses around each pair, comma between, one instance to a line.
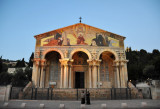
(2,92)
(155,89)
(5,92)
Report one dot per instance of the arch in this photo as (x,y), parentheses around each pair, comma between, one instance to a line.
(109,50)
(52,49)
(80,49)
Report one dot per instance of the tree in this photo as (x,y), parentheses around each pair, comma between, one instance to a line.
(30,64)
(5,78)
(157,67)
(20,63)
(19,78)
(0,64)
(148,71)
(155,52)
(28,73)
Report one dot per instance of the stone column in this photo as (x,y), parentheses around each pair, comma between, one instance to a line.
(42,73)
(117,77)
(62,78)
(46,76)
(95,72)
(37,71)
(90,73)
(117,81)
(98,68)
(122,75)
(70,73)
(64,62)
(94,76)
(125,72)
(65,76)
(90,76)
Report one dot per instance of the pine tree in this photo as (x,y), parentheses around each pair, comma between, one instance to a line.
(30,64)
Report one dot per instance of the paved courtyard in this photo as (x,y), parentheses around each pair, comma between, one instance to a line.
(52,104)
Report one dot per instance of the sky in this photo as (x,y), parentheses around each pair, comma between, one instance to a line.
(21,20)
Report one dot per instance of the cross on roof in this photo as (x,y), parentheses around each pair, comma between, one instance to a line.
(80,19)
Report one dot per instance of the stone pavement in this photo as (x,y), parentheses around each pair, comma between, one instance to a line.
(96,104)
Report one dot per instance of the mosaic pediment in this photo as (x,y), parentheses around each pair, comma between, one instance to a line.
(80,34)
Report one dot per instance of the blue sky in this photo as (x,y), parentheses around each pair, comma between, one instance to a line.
(20,20)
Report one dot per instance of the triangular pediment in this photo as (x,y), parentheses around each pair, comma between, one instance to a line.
(80,34)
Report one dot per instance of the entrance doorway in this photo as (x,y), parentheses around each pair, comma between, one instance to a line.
(79,79)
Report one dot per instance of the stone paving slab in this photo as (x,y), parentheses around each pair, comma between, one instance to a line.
(96,104)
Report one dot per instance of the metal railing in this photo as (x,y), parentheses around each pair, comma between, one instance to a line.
(75,94)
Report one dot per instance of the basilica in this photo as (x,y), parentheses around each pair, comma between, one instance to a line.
(79,56)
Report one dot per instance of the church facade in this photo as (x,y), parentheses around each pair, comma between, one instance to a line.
(79,56)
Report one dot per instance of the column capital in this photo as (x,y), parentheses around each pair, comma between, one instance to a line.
(95,62)
(116,63)
(37,61)
(64,61)
(43,62)
(120,62)
(89,62)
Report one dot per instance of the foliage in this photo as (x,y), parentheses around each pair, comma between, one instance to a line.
(19,79)
(1,65)
(20,63)
(28,73)
(149,71)
(143,65)
(30,64)
(5,78)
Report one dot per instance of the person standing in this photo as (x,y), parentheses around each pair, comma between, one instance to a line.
(88,98)
(82,97)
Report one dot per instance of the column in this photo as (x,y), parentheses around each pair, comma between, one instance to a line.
(98,74)
(42,73)
(46,83)
(90,76)
(37,71)
(122,75)
(117,73)
(70,77)
(70,73)
(90,79)
(95,73)
(117,77)
(94,76)
(62,74)
(65,76)
(34,74)
(125,72)
(64,62)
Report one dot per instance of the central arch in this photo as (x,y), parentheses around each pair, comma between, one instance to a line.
(80,67)
(82,50)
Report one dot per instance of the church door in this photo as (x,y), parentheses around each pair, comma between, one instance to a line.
(79,79)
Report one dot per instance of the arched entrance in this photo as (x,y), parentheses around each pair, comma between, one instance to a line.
(53,69)
(107,77)
(80,69)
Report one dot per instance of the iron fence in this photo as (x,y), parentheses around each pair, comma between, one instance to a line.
(75,94)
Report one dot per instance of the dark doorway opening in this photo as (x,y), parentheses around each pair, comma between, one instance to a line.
(79,79)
